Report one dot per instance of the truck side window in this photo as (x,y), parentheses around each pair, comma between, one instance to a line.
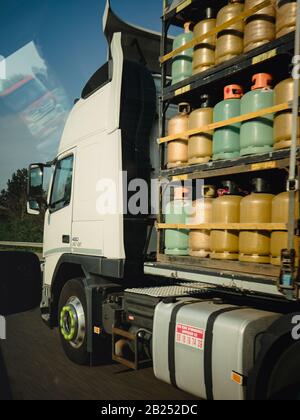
(62,184)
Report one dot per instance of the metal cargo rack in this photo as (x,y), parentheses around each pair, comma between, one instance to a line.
(274,57)
(187,10)
(262,58)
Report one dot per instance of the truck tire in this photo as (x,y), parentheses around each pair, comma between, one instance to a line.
(72,317)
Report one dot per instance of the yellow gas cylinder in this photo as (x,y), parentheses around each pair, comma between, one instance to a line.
(230,41)
(226,209)
(280,214)
(204,53)
(260,27)
(178,149)
(200,145)
(286,17)
(256,208)
(283,122)
(199,240)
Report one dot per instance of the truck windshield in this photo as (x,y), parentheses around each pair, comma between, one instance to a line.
(22,97)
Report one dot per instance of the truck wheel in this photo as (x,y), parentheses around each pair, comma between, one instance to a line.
(284,381)
(72,316)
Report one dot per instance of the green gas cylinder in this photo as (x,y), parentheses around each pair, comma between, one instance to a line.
(176,212)
(226,141)
(257,135)
(182,66)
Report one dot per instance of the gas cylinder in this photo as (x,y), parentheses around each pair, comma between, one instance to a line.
(257,135)
(230,41)
(226,209)
(176,212)
(200,145)
(283,122)
(256,208)
(260,27)
(280,214)
(178,149)
(182,66)
(199,240)
(226,140)
(204,53)
(286,17)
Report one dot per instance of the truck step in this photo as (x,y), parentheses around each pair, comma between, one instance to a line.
(181,289)
(137,362)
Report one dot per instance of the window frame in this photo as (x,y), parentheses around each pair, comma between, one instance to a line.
(58,161)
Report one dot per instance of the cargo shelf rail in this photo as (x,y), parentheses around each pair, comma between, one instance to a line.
(268,55)
(278,159)
(226,226)
(226,123)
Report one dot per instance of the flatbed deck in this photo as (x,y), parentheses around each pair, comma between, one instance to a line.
(237,276)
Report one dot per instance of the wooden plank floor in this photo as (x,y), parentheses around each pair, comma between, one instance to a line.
(38,370)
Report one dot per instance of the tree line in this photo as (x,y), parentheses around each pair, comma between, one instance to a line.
(15,224)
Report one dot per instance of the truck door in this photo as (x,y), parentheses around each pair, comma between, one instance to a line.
(58,220)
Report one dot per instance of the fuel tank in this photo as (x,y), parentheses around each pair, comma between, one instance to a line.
(226,209)
(200,145)
(178,149)
(256,208)
(207,334)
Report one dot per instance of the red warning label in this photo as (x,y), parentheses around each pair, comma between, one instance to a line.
(190,336)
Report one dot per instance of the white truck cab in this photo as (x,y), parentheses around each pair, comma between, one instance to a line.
(107,133)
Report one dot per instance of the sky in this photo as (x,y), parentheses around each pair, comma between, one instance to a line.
(60,43)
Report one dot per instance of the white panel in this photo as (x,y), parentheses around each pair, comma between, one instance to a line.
(88,171)
(100,158)
(88,117)
(50,266)
(87,238)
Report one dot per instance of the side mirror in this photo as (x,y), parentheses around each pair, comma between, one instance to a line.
(36,181)
(20,282)
(35,188)
(33,208)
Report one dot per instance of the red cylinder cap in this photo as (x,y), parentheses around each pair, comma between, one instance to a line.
(233,92)
(262,81)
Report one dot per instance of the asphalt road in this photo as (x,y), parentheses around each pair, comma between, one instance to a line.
(38,370)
